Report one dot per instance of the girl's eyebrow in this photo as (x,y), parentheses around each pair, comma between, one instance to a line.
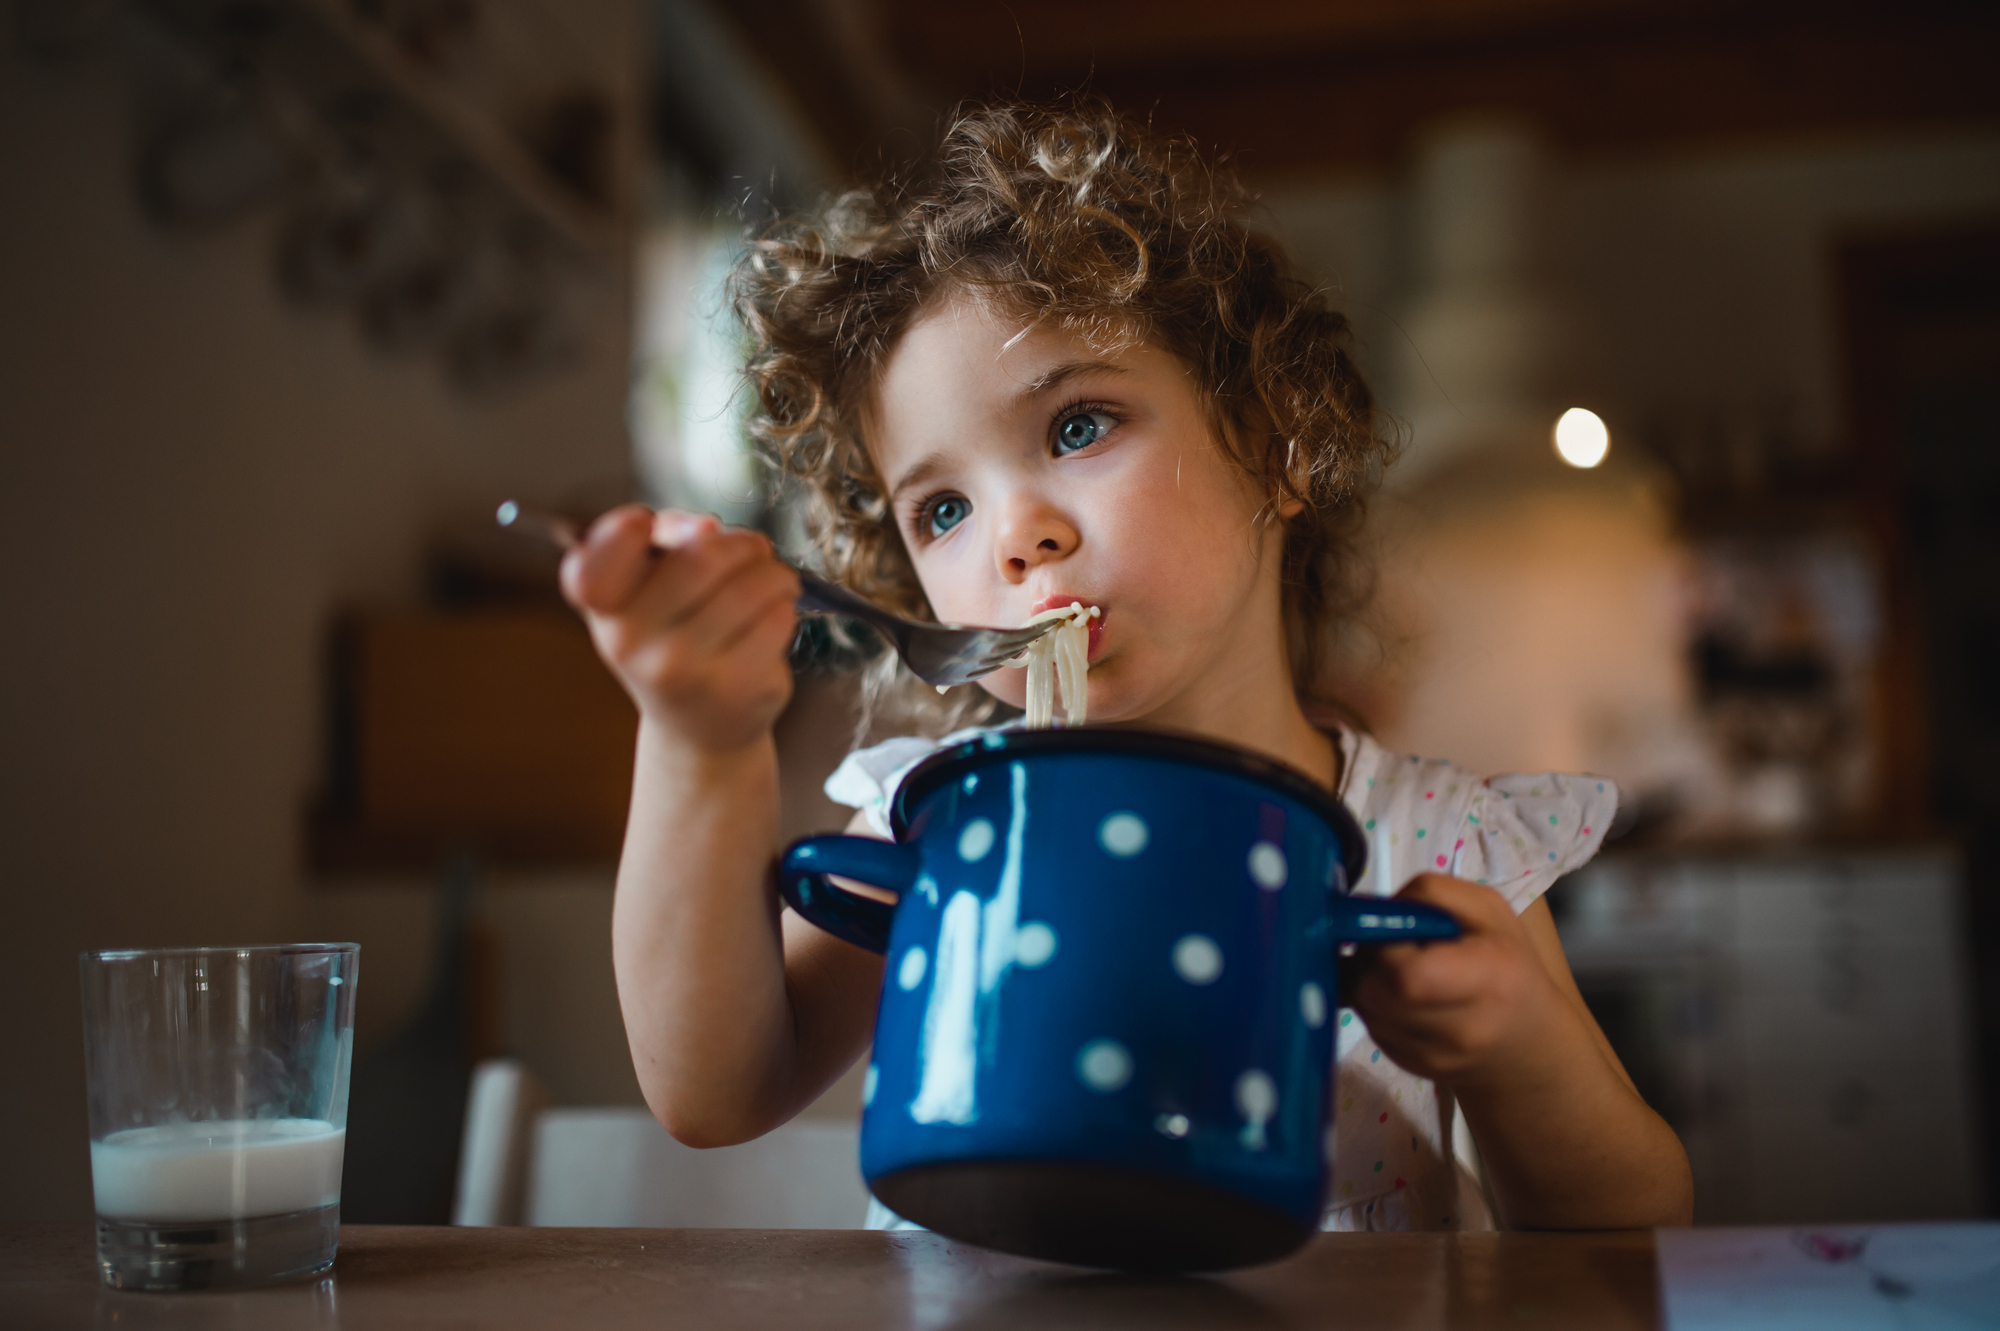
(1060,374)
(922,470)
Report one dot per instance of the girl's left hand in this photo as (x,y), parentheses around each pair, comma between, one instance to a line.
(1494,1015)
(1478,1008)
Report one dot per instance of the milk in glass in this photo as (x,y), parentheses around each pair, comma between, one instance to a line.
(229,1170)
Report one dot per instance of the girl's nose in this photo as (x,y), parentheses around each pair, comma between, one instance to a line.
(1031,533)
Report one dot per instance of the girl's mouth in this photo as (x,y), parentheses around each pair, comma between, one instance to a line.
(1070,598)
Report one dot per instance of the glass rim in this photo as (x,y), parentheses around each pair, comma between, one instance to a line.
(216,950)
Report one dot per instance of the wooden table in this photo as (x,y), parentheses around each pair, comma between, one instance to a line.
(395,1277)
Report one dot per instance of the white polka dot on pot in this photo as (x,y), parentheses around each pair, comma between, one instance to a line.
(1035,944)
(1257,1100)
(911,973)
(1257,1094)
(1104,1065)
(1197,959)
(1267,866)
(1123,835)
(1312,1004)
(975,841)
(869,1081)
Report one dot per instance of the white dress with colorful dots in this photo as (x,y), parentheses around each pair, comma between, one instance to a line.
(1403,1159)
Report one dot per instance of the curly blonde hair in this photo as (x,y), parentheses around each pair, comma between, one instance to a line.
(1073,214)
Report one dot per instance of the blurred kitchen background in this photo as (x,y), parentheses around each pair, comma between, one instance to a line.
(294,292)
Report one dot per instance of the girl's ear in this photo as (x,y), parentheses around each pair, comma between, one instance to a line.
(1290,505)
(1254,426)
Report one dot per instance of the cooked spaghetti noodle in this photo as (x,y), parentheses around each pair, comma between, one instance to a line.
(1059,658)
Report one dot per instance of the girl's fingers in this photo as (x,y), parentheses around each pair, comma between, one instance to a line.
(758,658)
(700,588)
(603,570)
(1434,975)
(1476,908)
(1415,1000)
(693,617)
(1448,972)
(1449,1009)
(619,559)
(673,529)
(661,585)
(715,627)
(766,599)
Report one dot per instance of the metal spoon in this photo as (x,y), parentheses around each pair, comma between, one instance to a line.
(942,654)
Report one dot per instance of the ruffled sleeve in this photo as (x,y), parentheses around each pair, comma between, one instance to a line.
(867,778)
(1516,834)
(1523,832)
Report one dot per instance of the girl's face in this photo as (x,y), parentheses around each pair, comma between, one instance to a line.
(1029,470)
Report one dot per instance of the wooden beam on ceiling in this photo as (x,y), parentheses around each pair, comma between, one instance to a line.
(1044,35)
(1595,90)
(1294,86)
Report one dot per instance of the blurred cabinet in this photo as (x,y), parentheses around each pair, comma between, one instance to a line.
(1800,1020)
(495,731)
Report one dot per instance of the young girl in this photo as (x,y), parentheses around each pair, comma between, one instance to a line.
(1059,369)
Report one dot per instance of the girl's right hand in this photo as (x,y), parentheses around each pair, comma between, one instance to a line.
(694,618)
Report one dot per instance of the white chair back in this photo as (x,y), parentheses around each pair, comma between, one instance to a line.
(501,1107)
(614,1166)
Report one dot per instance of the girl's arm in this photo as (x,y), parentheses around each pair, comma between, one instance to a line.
(1496,1016)
(737,1015)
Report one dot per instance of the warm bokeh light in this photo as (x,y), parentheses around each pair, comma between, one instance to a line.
(1581,439)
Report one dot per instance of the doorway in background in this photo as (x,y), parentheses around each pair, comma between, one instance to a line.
(1922,315)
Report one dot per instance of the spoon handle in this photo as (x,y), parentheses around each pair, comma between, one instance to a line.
(815,593)
(528,520)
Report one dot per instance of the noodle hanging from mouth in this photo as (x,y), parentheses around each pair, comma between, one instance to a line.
(1058,658)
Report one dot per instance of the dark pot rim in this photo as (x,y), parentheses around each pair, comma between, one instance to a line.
(947,764)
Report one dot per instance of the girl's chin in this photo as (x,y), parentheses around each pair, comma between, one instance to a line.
(1117,711)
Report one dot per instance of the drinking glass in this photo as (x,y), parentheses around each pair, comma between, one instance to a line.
(218,1110)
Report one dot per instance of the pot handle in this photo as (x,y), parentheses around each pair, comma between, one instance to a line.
(862,921)
(1387,920)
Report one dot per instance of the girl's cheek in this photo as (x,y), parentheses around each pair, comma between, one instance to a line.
(1008,685)
(943,580)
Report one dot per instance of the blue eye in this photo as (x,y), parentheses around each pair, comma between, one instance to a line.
(1081,430)
(945,513)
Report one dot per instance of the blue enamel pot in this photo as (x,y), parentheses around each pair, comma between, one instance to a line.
(1105,1035)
